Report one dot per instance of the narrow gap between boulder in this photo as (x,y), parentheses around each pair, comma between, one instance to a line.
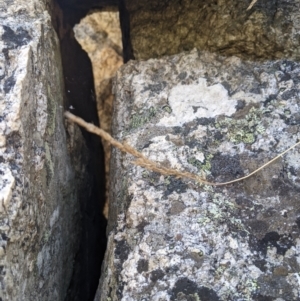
(88,69)
(99,34)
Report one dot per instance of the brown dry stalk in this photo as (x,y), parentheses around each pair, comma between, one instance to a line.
(153,166)
(251,4)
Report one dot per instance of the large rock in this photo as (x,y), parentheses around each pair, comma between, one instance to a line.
(155,28)
(174,239)
(39,194)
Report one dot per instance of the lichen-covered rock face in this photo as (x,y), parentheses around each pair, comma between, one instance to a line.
(173,239)
(269,30)
(39,207)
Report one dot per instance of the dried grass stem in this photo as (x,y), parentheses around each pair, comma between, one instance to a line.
(251,4)
(153,166)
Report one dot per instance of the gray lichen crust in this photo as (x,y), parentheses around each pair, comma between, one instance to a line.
(39,207)
(173,239)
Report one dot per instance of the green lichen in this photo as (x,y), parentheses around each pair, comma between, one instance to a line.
(245,129)
(167,109)
(202,167)
(193,161)
(260,129)
(46,236)
(215,212)
(145,174)
(220,271)
(167,180)
(190,297)
(204,220)
(220,210)
(149,176)
(139,119)
(219,200)
(241,136)
(208,188)
(250,286)
(207,164)
(195,297)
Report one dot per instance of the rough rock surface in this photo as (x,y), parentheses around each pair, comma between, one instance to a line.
(99,34)
(39,207)
(173,239)
(269,30)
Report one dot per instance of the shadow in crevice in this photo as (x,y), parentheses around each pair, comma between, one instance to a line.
(125,27)
(80,95)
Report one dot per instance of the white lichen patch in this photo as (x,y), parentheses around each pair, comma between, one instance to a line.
(7,183)
(42,112)
(171,154)
(54,217)
(189,102)
(2,141)
(247,97)
(198,133)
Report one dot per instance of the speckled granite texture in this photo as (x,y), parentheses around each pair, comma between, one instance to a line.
(172,239)
(40,185)
(166,27)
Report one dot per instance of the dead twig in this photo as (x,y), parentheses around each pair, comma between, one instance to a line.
(153,166)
